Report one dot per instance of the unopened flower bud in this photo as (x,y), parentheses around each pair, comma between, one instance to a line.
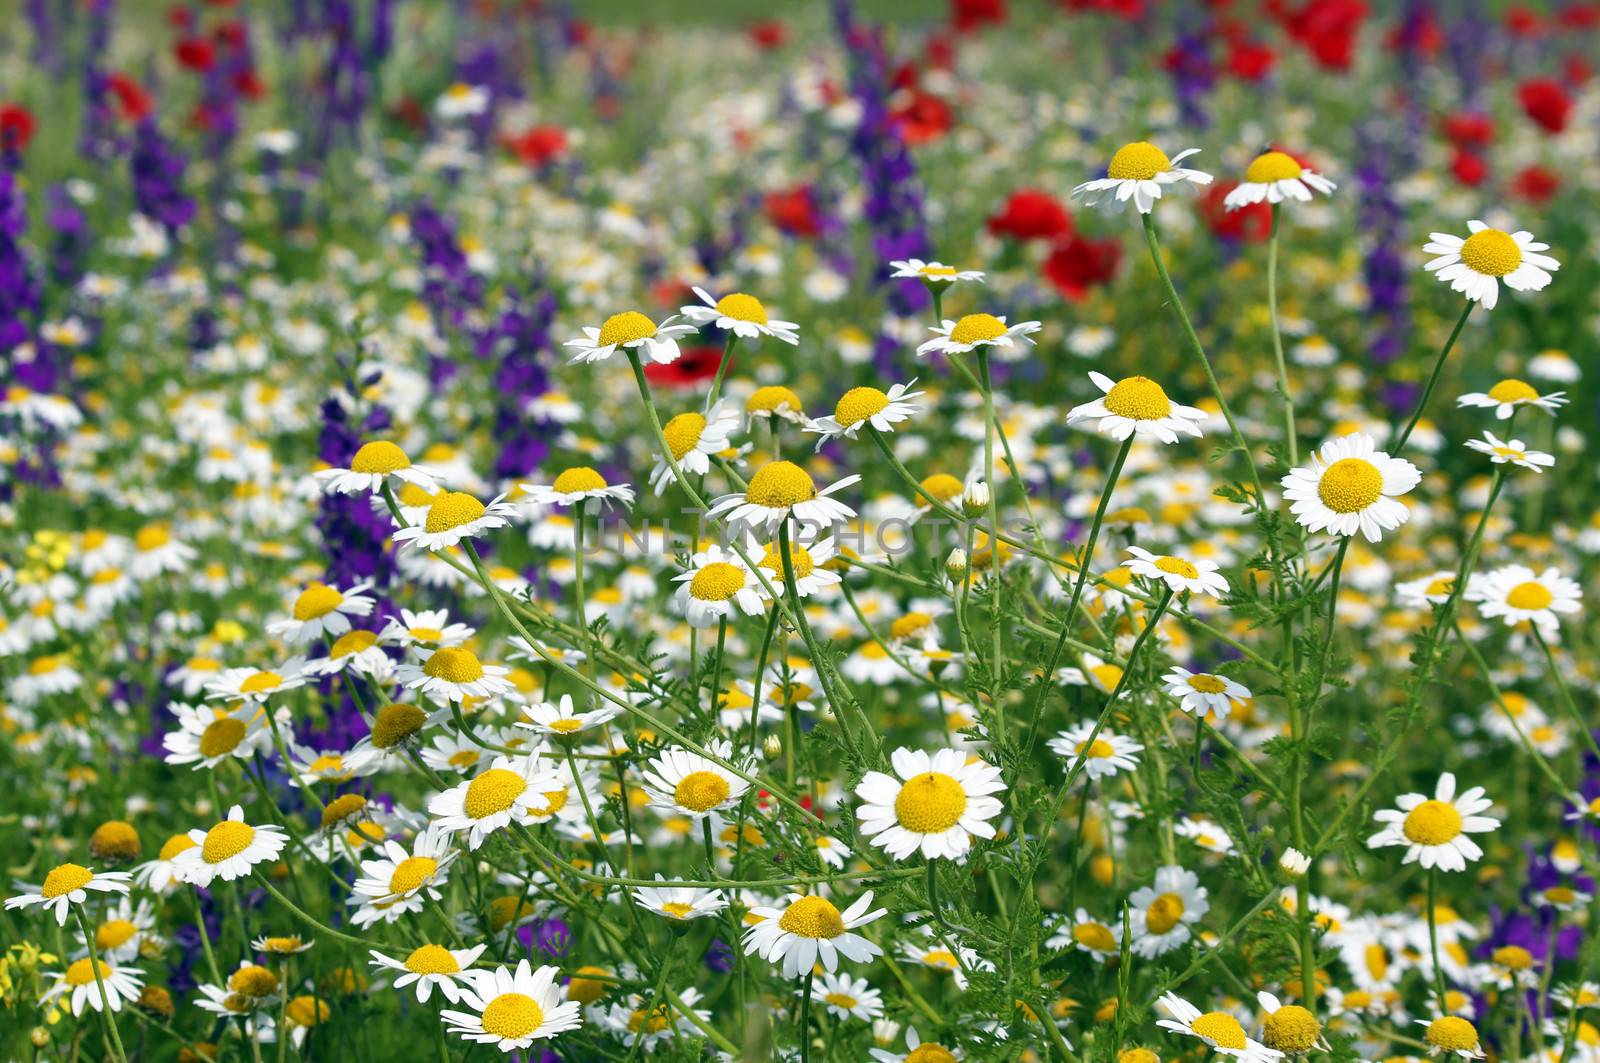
(955,566)
(772,747)
(975,499)
(1293,863)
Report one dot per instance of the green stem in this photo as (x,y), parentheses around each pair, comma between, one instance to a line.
(1433,380)
(722,370)
(107,1018)
(805,1018)
(1433,942)
(1584,726)
(306,917)
(997,670)
(1277,343)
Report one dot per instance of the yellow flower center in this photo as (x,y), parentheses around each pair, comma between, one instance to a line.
(1137,1055)
(938,271)
(858,404)
(1560,895)
(432,959)
(260,682)
(677,909)
(930,803)
(253,981)
(683,433)
(653,1021)
(1177,566)
(717,582)
(1138,161)
(396,723)
(175,845)
(1138,398)
(799,560)
(812,917)
(587,990)
(1273,166)
(771,398)
(64,878)
(579,478)
(464,758)
(1100,750)
(906,626)
(943,486)
(494,791)
(454,665)
(1220,1028)
(318,599)
(780,484)
(841,1000)
(452,509)
(1513,390)
(342,808)
(1531,595)
(626,327)
(306,1011)
(565,725)
(742,307)
(1491,252)
(1452,1034)
(701,791)
(1432,823)
(941,958)
(1207,684)
(931,1053)
(353,642)
(227,839)
(1094,936)
(82,972)
(512,1015)
(283,944)
(1514,957)
(115,839)
(1350,485)
(977,328)
(152,537)
(379,457)
(412,873)
(555,801)
(221,736)
(1164,913)
(1291,1029)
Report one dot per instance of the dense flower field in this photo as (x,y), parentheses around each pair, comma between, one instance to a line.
(1049,534)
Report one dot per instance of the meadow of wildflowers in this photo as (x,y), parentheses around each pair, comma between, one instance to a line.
(815,532)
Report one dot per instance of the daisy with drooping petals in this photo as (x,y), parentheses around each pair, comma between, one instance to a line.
(431,966)
(561,720)
(809,929)
(1218,1029)
(1451,1034)
(847,997)
(681,903)
(1516,593)
(1275,176)
(1160,915)
(454,673)
(1502,452)
(79,985)
(511,1010)
(682,782)
(1204,694)
(779,490)
(1510,395)
(979,330)
(401,882)
(228,850)
(1434,829)
(69,884)
(808,563)
(1139,171)
(1199,576)
(1108,754)
(931,273)
(453,516)
(1351,486)
(429,627)
(1085,933)
(578,484)
(865,406)
(374,465)
(256,685)
(1137,405)
(716,586)
(207,735)
(323,610)
(1476,265)
(510,789)
(694,439)
(629,330)
(936,806)
(741,314)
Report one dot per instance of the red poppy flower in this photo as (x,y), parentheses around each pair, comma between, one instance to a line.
(1123,9)
(1579,16)
(696,366)
(1327,29)
(539,145)
(1077,264)
(196,53)
(247,83)
(1469,167)
(1248,225)
(1523,22)
(968,15)
(1576,71)
(1031,214)
(922,117)
(16,127)
(233,34)
(1536,184)
(1467,128)
(768,35)
(793,211)
(1250,60)
(133,102)
(1547,102)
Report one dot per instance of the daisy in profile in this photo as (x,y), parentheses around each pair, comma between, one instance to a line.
(933,274)
(285,945)
(430,967)
(1204,693)
(741,314)
(779,490)
(847,997)
(1351,486)
(682,782)
(320,610)
(228,850)
(256,685)
(1139,171)
(1510,395)
(1218,1029)
(401,882)
(156,551)
(78,984)
(1181,576)
(561,720)
(1136,405)
(1425,591)
(509,790)
(1085,933)
(453,516)
(578,484)
(865,406)
(694,439)
(1451,1034)
(429,627)
(979,330)
(454,673)
(681,903)
(374,465)
(70,884)
(1503,452)
(1103,757)
(934,804)
(1476,266)
(1434,829)
(629,330)
(1516,593)
(1160,915)
(1273,177)
(808,929)
(511,1010)
(717,586)
(160,875)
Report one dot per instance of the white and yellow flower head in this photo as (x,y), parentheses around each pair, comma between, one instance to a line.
(808,930)
(67,885)
(934,804)
(630,330)
(228,850)
(1475,266)
(741,314)
(1137,405)
(452,516)
(694,439)
(1275,176)
(1517,594)
(779,490)
(717,586)
(374,465)
(863,406)
(1351,486)
(979,330)
(1102,752)
(933,274)
(682,782)
(1181,575)
(679,903)
(578,484)
(509,791)
(1434,829)
(1511,452)
(1219,1029)
(1510,395)
(430,966)
(323,610)
(1139,172)
(1160,916)
(512,1009)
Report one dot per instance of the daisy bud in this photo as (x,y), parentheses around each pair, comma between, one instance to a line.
(975,499)
(39,1037)
(1293,863)
(772,747)
(955,566)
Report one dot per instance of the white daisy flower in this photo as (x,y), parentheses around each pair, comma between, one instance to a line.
(357,650)
(430,966)
(779,490)
(694,439)
(511,1010)
(1206,834)
(507,791)
(1218,1029)
(1351,486)
(156,551)
(1204,693)
(454,673)
(256,685)
(682,782)
(808,563)
(321,610)
(938,803)
(917,1051)
(67,885)
(286,945)
(453,516)
(1451,1034)
(562,720)
(1502,452)
(1085,933)
(228,850)
(1137,405)
(809,929)
(1108,754)
(578,484)
(717,586)
(1179,574)
(1160,915)
(161,874)
(1434,830)
(78,984)
(374,465)
(847,997)
(1275,176)
(1139,171)
(741,314)
(1510,395)
(979,330)
(631,1022)
(401,882)
(931,273)
(681,903)
(630,330)
(1516,593)
(1425,591)
(866,405)
(1475,266)
(429,627)
(207,735)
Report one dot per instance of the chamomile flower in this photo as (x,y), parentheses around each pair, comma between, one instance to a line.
(1425,591)
(1181,575)
(1275,176)
(694,439)
(934,804)
(847,997)
(1206,834)
(374,465)
(717,586)
(1105,756)
(429,627)
(561,720)
(1517,594)
(256,685)
(932,273)
(430,967)
(81,989)
(70,884)
(741,314)
(1218,1029)
(808,929)
(1136,405)
(1204,693)
(453,516)
(577,485)
(682,782)
(780,490)
(207,735)
(454,673)
(1510,395)
(1451,1034)
(228,850)
(630,330)
(322,610)
(282,945)
(681,903)
(512,1009)
(156,551)
(1434,830)
(507,791)
(1161,915)
(979,330)
(1085,933)
(865,406)
(1475,266)
(161,874)
(808,563)
(1503,452)
(400,881)
(918,1051)
(1351,486)
(1139,172)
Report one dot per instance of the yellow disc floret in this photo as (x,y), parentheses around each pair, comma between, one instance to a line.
(717,582)
(253,980)
(81,972)
(1350,485)
(1291,1029)
(115,839)
(578,479)
(495,791)
(453,664)
(1513,390)
(858,404)
(1177,566)
(1491,252)
(1451,1033)
(1094,936)
(342,808)
(432,959)
(1432,823)
(1273,166)
(930,803)
(701,791)
(771,399)
(928,1052)
(63,879)
(380,457)
(512,1015)
(227,839)
(630,326)
(1164,913)
(812,917)
(452,509)
(1220,1028)
(1138,398)
(800,560)
(1531,596)
(780,484)
(742,307)
(977,328)
(1207,684)
(1139,161)
(318,599)
(395,723)
(683,433)
(412,873)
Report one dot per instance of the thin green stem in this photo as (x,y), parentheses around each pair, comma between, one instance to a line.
(1289,436)
(107,1016)
(1433,380)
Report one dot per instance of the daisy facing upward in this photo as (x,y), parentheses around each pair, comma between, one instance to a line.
(1351,486)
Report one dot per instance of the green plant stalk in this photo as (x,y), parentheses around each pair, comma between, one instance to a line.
(1289,436)
(1433,379)
(107,1017)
